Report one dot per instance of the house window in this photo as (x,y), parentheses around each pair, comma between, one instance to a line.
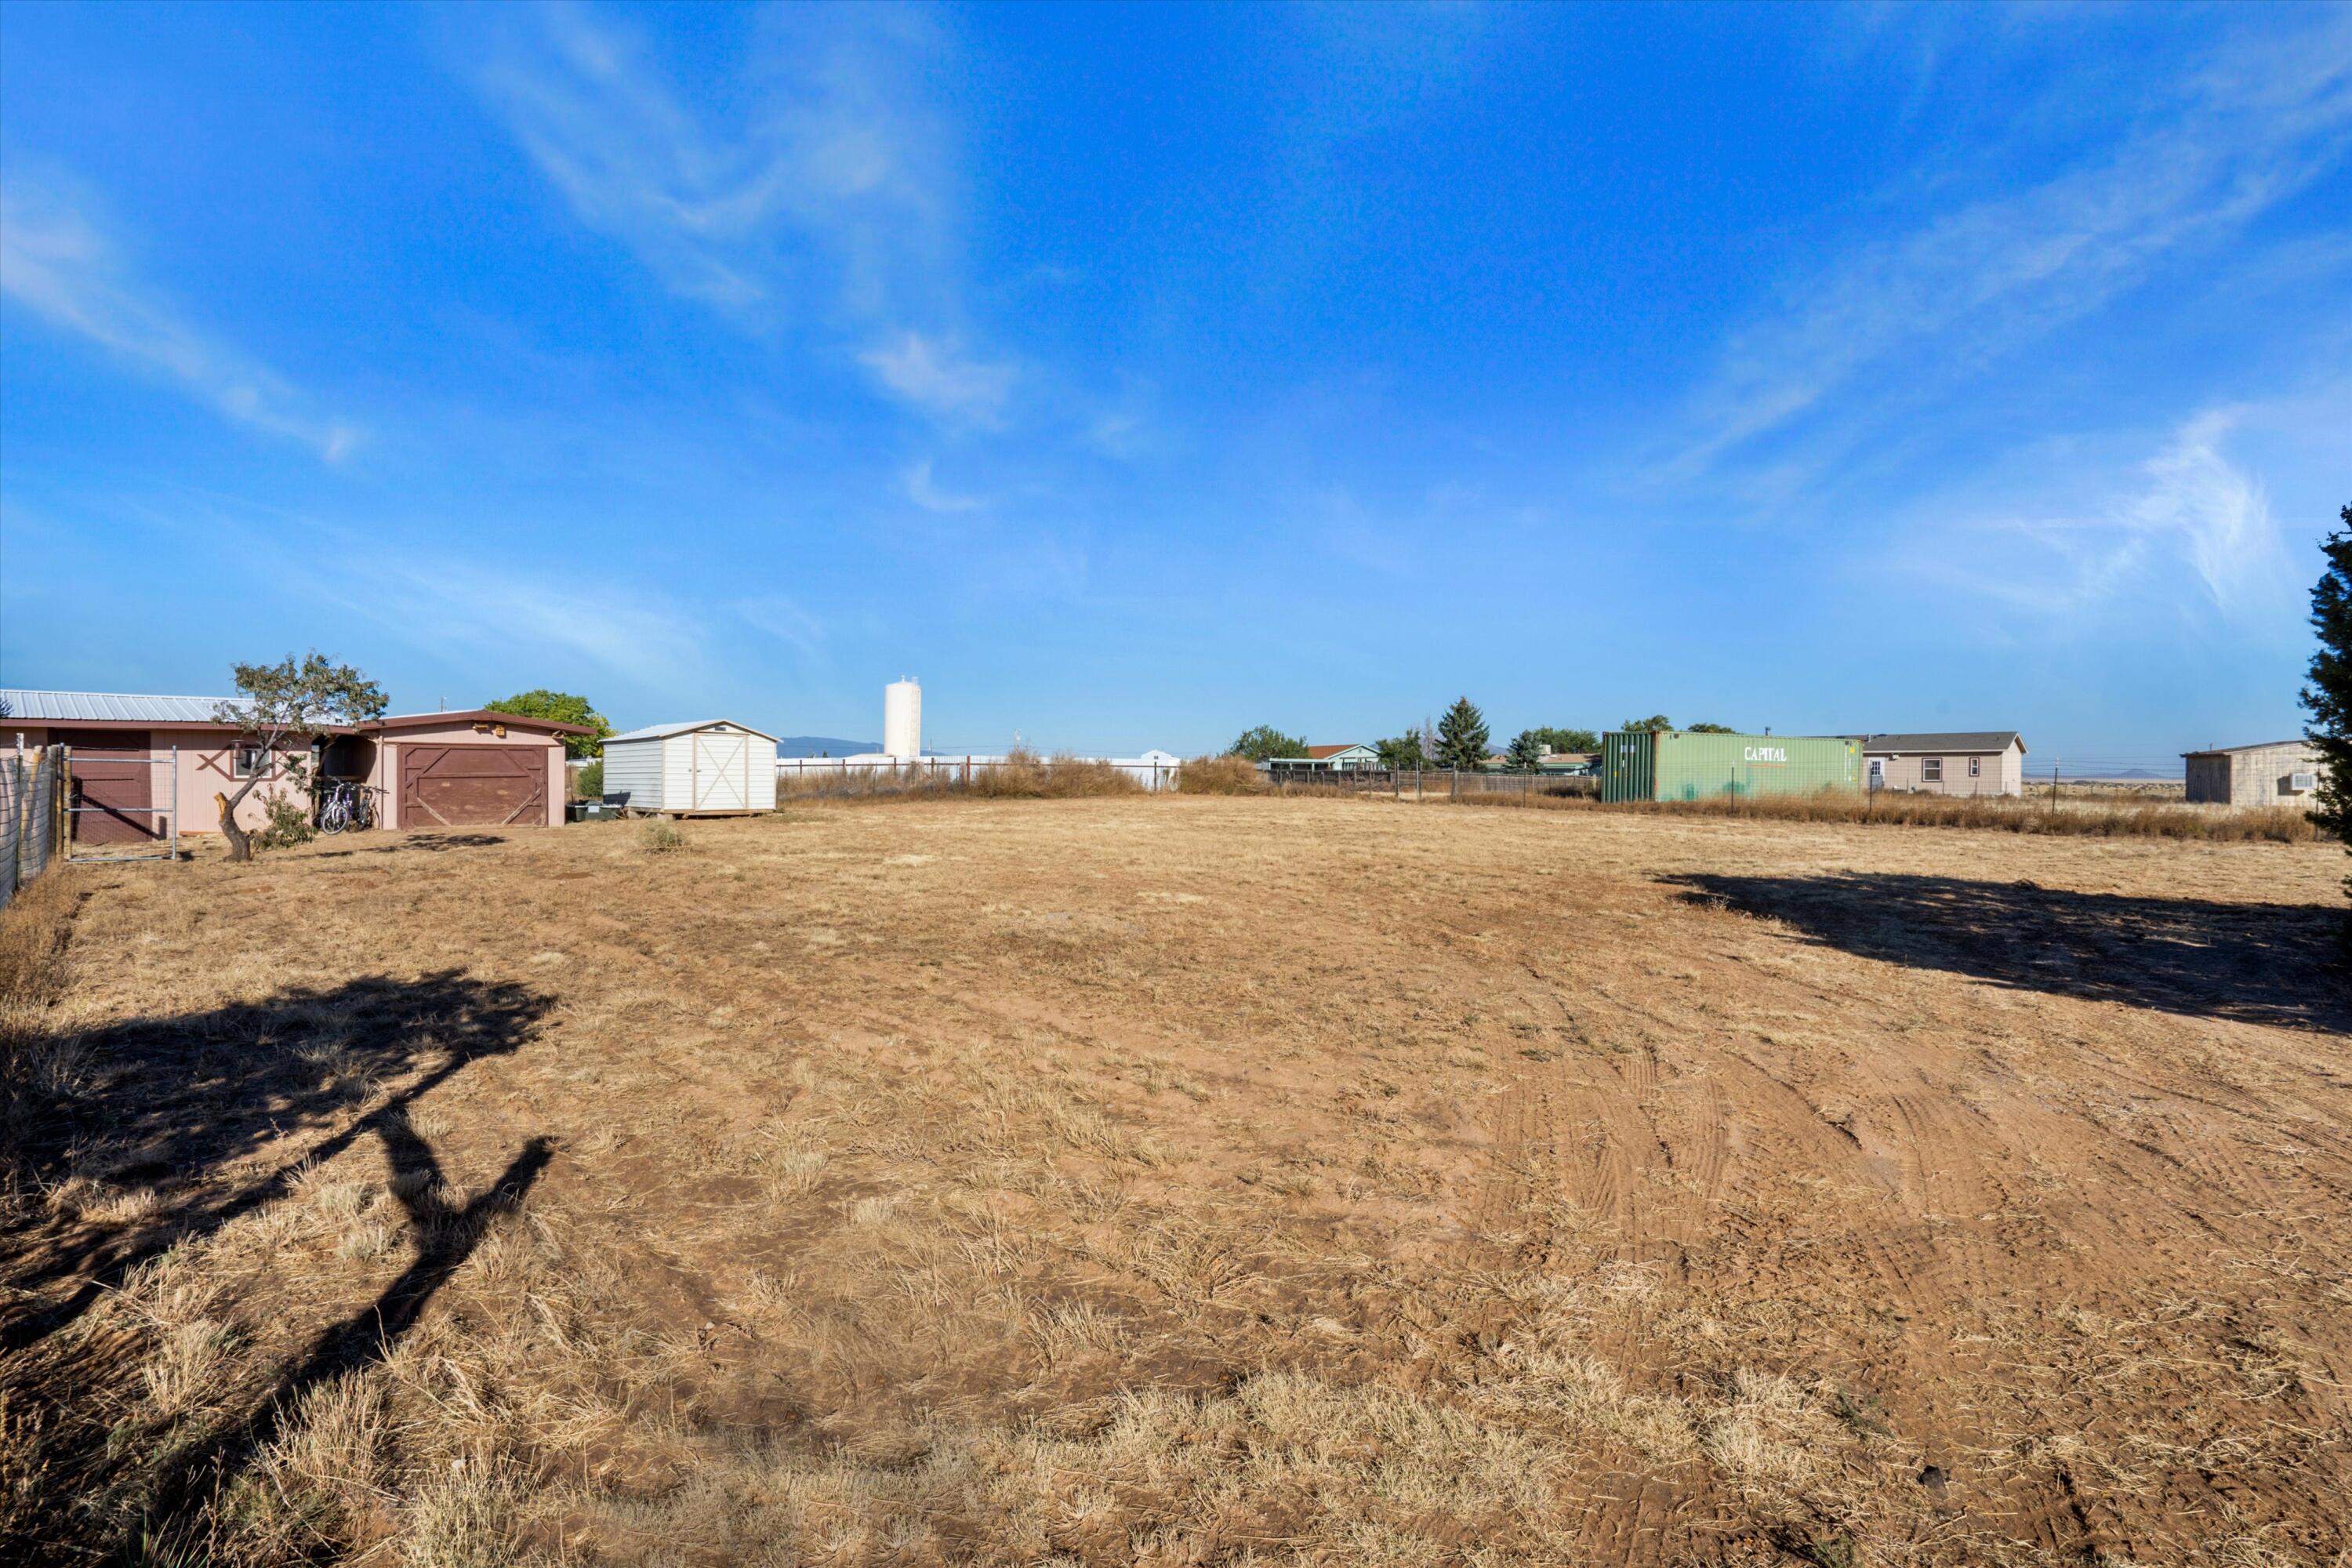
(1931,770)
(246,761)
(1975,767)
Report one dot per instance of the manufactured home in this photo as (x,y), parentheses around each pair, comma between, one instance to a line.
(1949,762)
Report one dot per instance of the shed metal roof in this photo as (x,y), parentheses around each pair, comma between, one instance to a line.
(109,707)
(1945,741)
(656,731)
(2257,746)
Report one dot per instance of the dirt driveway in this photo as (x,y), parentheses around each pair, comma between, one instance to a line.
(1193,1180)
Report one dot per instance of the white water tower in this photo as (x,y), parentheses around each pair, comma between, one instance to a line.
(902,719)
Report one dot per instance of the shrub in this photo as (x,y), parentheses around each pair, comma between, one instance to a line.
(1228,775)
(589,782)
(663,838)
(290,823)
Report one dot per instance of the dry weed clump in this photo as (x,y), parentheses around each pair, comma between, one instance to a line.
(1226,774)
(2109,818)
(36,1069)
(1023,775)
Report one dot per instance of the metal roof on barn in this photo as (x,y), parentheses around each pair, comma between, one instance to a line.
(109,708)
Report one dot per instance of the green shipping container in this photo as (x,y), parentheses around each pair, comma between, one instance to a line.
(1676,764)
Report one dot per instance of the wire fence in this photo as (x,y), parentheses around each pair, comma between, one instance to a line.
(822,776)
(1433,783)
(31,792)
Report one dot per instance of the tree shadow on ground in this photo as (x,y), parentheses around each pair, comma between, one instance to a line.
(437,842)
(2259,963)
(167,1106)
(175,1106)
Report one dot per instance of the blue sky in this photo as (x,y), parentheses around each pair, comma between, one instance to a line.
(1134,375)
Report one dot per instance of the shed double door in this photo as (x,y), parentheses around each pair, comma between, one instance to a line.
(472,787)
(113,786)
(722,771)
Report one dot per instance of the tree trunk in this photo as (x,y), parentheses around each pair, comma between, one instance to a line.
(240,842)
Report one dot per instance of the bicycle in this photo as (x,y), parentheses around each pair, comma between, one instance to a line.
(346,805)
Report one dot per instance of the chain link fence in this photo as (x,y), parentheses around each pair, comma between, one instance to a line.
(31,791)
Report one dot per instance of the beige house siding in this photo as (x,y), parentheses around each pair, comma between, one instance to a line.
(2252,775)
(384,775)
(1997,773)
(204,772)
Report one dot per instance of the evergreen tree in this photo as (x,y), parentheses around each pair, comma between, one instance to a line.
(1461,736)
(1527,748)
(2329,696)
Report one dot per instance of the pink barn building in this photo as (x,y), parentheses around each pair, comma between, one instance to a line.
(475,769)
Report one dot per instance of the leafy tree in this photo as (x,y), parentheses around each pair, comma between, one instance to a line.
(1526,751)
(1265,743)
(561,707)
(1566,739)
(2329,697)
(1461,736)
(283,709)
(1404,752)
(1712,729)
(1654,723)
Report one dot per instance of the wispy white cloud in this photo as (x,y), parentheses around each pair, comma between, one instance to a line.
(782,618)
(2189,525)
(826,195)
(497,615)
(926,492)
(56,262)
(937,377)
(2204,160)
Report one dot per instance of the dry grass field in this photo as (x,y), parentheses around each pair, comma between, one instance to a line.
(1185,1180)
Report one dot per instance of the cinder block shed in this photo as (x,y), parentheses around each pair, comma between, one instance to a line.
(2275,773)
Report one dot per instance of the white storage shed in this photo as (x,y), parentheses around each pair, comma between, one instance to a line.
(711,768)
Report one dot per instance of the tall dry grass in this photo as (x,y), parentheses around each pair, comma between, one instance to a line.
(1024,775)
(1220,775)
(2092,819)
(878,782)
(33,930)
(1021,775)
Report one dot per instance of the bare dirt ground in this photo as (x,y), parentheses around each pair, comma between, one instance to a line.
(1194,1180)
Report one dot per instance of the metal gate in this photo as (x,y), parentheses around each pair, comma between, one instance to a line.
(28,816)
(161,845)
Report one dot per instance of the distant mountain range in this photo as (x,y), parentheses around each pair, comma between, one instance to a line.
(822,746)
